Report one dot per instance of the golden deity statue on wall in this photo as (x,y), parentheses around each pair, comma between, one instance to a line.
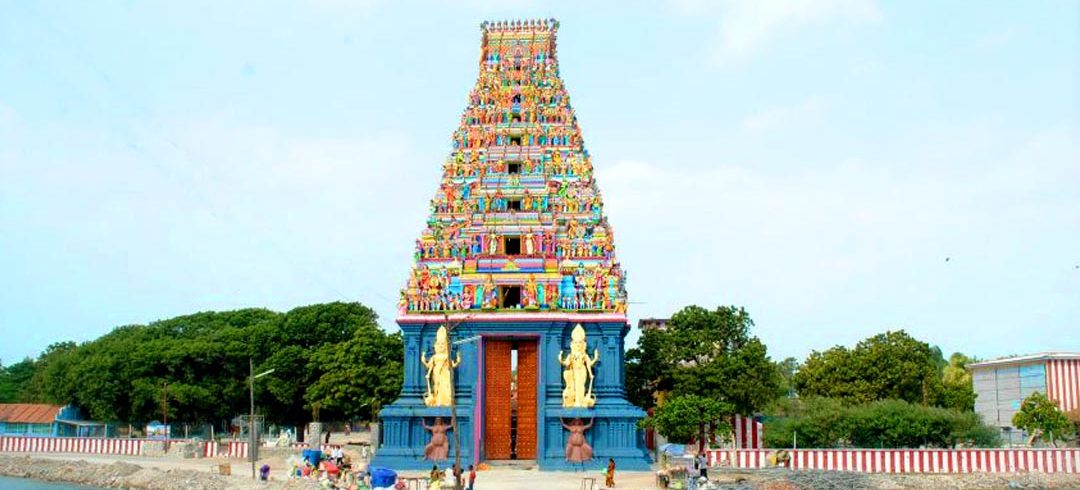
(578,372)
(438,377)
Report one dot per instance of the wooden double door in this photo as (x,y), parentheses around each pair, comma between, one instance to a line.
(510,398)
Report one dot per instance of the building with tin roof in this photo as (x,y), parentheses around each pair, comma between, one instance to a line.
(39,419)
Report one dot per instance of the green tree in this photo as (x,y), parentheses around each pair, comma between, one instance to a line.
(50,375)
(892,365)
(705,353)
(304,333)
(957,390)
(825,422)
(359,376)
(682,417)
(646,371)
(1039,416)
(786,370)
(15,381)
(199,363)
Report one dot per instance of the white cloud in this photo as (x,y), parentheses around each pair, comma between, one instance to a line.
(745,27)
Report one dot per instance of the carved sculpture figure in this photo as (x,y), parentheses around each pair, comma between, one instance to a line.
(577,449)
(518,101)
(439,447)
(578,372)
(439,388)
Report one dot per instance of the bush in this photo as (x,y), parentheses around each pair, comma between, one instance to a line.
(826,422)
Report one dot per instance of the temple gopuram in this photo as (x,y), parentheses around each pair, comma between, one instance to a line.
(514,315)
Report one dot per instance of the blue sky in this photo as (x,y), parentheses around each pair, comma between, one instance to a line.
(815,161)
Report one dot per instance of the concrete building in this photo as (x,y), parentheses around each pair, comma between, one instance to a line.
(35,419)
(1001,384)
(648,323)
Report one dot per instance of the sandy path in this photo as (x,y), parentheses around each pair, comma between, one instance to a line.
(496,478)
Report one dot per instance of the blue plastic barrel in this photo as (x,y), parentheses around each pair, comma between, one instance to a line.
(312,456)
(383,477)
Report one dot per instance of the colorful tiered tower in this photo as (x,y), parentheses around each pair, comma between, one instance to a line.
(516,256)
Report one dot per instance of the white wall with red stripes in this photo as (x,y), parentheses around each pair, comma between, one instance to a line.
(749,433)
(910,460)
(116,447)
(1063,383)
(81,445)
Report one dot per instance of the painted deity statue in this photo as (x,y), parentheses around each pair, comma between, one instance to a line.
(578,372)
(439,388)
(577,448)
(438,448)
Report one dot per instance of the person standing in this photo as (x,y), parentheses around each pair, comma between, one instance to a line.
(472,477)
(609,481)
(703,465)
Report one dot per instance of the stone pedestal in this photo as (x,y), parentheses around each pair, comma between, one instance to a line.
(313,436)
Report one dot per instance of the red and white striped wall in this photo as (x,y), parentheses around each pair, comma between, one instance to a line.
(749,432)
(326,448)
(912,460)
(1063,383)
(81,445)
(235,449)
(117,447)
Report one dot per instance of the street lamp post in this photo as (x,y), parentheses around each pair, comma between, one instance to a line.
(457,470)
(253,447)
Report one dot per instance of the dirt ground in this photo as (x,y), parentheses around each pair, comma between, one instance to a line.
(174,472)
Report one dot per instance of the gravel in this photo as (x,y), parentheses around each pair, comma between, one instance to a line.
(783,479)
(132,476)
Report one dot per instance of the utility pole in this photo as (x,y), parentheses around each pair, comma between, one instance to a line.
(165,410)
(453,400)
(251,416)
(253,447)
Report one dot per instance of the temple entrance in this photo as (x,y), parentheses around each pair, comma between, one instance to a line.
(511,372)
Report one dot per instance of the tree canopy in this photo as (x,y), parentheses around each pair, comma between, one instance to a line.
(199,362)
(682,417)
(891,365)
(709,353)
(15,380)
(1040,416)
(829,422)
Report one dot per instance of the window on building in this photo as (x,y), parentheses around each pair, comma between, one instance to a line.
(512,245)
(515,140)
(511,296)
(513,168)
(513,204)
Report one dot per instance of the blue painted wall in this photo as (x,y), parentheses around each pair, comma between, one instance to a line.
(614,433)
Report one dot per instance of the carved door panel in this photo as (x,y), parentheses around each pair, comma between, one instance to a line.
(497,407)
(527,378)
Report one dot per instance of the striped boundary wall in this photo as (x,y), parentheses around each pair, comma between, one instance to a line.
(1047,460)
(236,449)
(326,448)
(117,447)
(81,445)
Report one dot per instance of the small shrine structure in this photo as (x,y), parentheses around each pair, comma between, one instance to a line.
(514,315)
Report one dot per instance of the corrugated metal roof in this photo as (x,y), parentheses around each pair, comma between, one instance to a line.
(28,413)
(1040,357)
